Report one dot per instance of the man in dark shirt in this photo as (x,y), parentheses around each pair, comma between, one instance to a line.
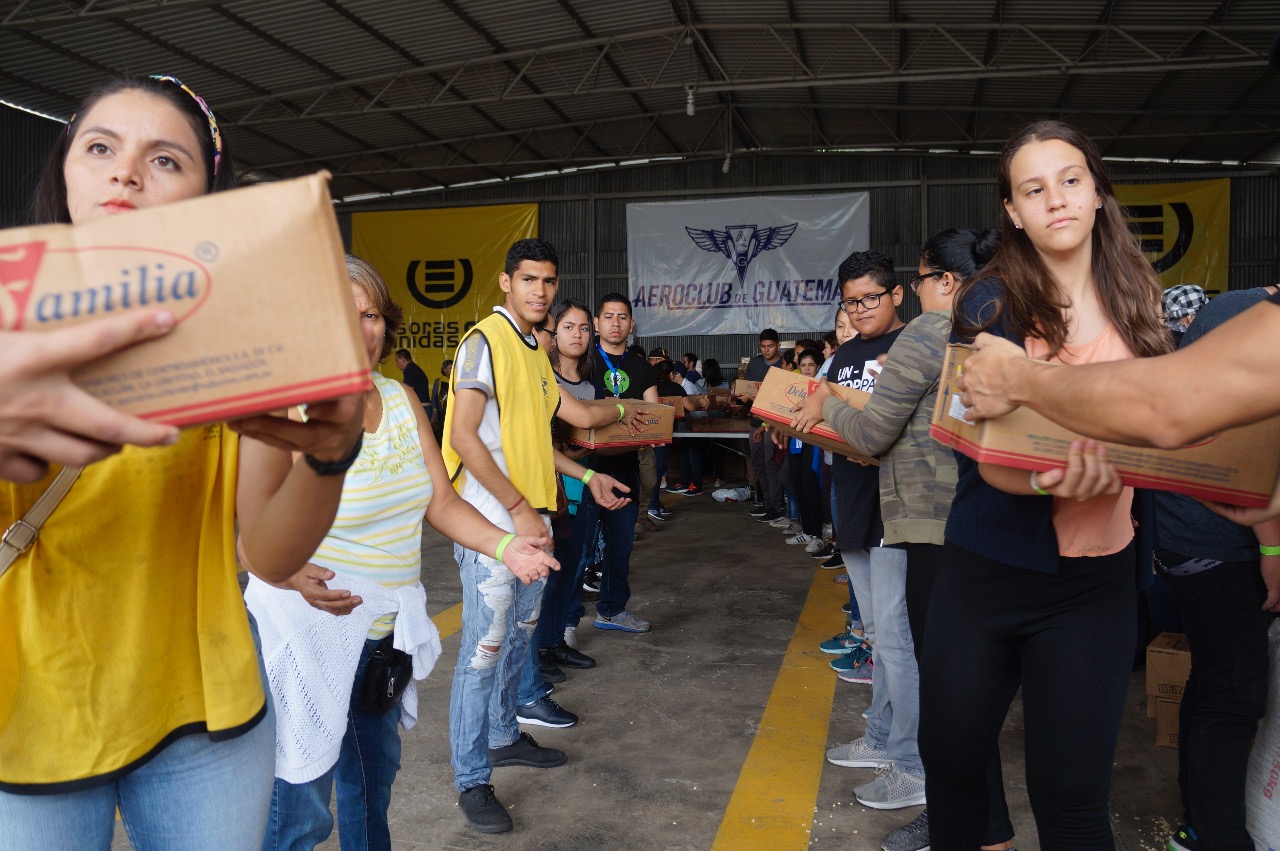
(414,377)
(768,473)
(621,373)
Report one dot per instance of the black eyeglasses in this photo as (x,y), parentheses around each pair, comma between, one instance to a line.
(868,302)
(546,331)
(920,279)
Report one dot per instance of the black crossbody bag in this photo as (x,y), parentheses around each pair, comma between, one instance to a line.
(385,678)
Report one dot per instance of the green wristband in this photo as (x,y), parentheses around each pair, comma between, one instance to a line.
(622,413)
(502,546)
(1035,486)
(1268,551)
(586,477)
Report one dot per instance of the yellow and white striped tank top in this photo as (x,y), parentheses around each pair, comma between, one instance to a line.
(377,535)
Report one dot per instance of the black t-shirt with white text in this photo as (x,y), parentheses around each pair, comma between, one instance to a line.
(627,378)
(858,524)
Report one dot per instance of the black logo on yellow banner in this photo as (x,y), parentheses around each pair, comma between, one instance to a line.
(1147,221)
(438,285)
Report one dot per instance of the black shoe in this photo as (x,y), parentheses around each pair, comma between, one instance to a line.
(769,516)
(550,672)
(825,553)
(846,609)
(834,563)
(569,657)
(545,712)
(758,510)
(483,810)
(525,751)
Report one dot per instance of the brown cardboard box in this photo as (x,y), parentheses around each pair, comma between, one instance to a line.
(734,425)
(676,403)
(659,420)
(1167,712)
(1151,706)
(255,277)
(1237,466)
(719,398)
(782,390)
(1168,666)
(742,387)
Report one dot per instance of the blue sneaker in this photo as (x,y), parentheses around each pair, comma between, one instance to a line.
(860,655)
(1183,839)
(842,643)
(623,621)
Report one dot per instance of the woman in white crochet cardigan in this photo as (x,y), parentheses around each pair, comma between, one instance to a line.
(350,629)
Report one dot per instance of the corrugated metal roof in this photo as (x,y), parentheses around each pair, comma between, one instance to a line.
(370,87)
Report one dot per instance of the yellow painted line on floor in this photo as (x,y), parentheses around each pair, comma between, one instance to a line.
(449,621)
(773,800)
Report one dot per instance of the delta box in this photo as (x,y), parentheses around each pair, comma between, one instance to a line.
(1168,667)
(782,390)
(1236,466)
(255,278)
(656,428)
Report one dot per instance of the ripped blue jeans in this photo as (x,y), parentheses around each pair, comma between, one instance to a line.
(498,611)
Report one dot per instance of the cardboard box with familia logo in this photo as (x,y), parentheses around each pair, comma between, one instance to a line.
(1236,466)
(659,420)
(750,389)
(782,390)
(255,278)
(1168,667)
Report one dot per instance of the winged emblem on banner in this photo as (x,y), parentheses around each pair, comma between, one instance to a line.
(741,243)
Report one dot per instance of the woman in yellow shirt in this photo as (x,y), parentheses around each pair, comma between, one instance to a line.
(137,681)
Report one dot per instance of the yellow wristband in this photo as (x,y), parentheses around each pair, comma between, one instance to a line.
(502,546)
(586,477)
(622,413)
(1268,551)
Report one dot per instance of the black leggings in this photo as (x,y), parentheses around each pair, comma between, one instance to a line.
(923,563)
(1067,640)
(807,487)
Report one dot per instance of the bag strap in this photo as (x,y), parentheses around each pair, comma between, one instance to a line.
(22,534)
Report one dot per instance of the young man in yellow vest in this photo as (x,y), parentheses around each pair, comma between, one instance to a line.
(498,451)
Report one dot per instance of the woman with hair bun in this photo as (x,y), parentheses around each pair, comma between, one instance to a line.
(917,483)
(1041,570)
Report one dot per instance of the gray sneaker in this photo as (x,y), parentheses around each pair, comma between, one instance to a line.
(892,789)
(912,836)
(858,754)
(623,621)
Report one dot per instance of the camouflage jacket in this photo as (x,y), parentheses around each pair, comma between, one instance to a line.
(917,474)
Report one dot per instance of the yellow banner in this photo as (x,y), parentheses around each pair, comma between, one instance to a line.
(442,268)
(1185,229)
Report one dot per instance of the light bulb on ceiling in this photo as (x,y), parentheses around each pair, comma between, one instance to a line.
(688,103)
(728,158)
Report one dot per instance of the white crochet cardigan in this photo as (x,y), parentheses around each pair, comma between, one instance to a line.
(311,658)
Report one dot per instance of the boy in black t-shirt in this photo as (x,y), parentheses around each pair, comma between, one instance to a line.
(619,372)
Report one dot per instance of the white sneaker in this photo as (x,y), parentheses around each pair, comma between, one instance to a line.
(571,636)
(793,529)
(801,538)
(719,483)
(892,789)
(815,545)
(858,754)
(781,523)
(827,531)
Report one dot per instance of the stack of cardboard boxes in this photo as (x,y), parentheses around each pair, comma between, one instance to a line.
(1168,666)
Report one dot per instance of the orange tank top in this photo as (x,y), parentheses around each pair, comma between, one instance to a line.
(1103,525)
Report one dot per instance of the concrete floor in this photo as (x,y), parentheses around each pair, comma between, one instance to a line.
(668,718)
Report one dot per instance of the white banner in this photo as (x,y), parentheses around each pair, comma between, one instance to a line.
(737,265)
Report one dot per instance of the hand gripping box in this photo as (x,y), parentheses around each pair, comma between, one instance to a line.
(255,277)
(782,390)
(658,423)
(1236,466)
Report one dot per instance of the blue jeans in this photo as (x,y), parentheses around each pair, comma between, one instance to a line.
(564,587)
(194,794)
(366,768)
(500,612)
(619,538)
(894,717)
(691,461)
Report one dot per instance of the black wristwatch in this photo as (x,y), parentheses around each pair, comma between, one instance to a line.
(336,468)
